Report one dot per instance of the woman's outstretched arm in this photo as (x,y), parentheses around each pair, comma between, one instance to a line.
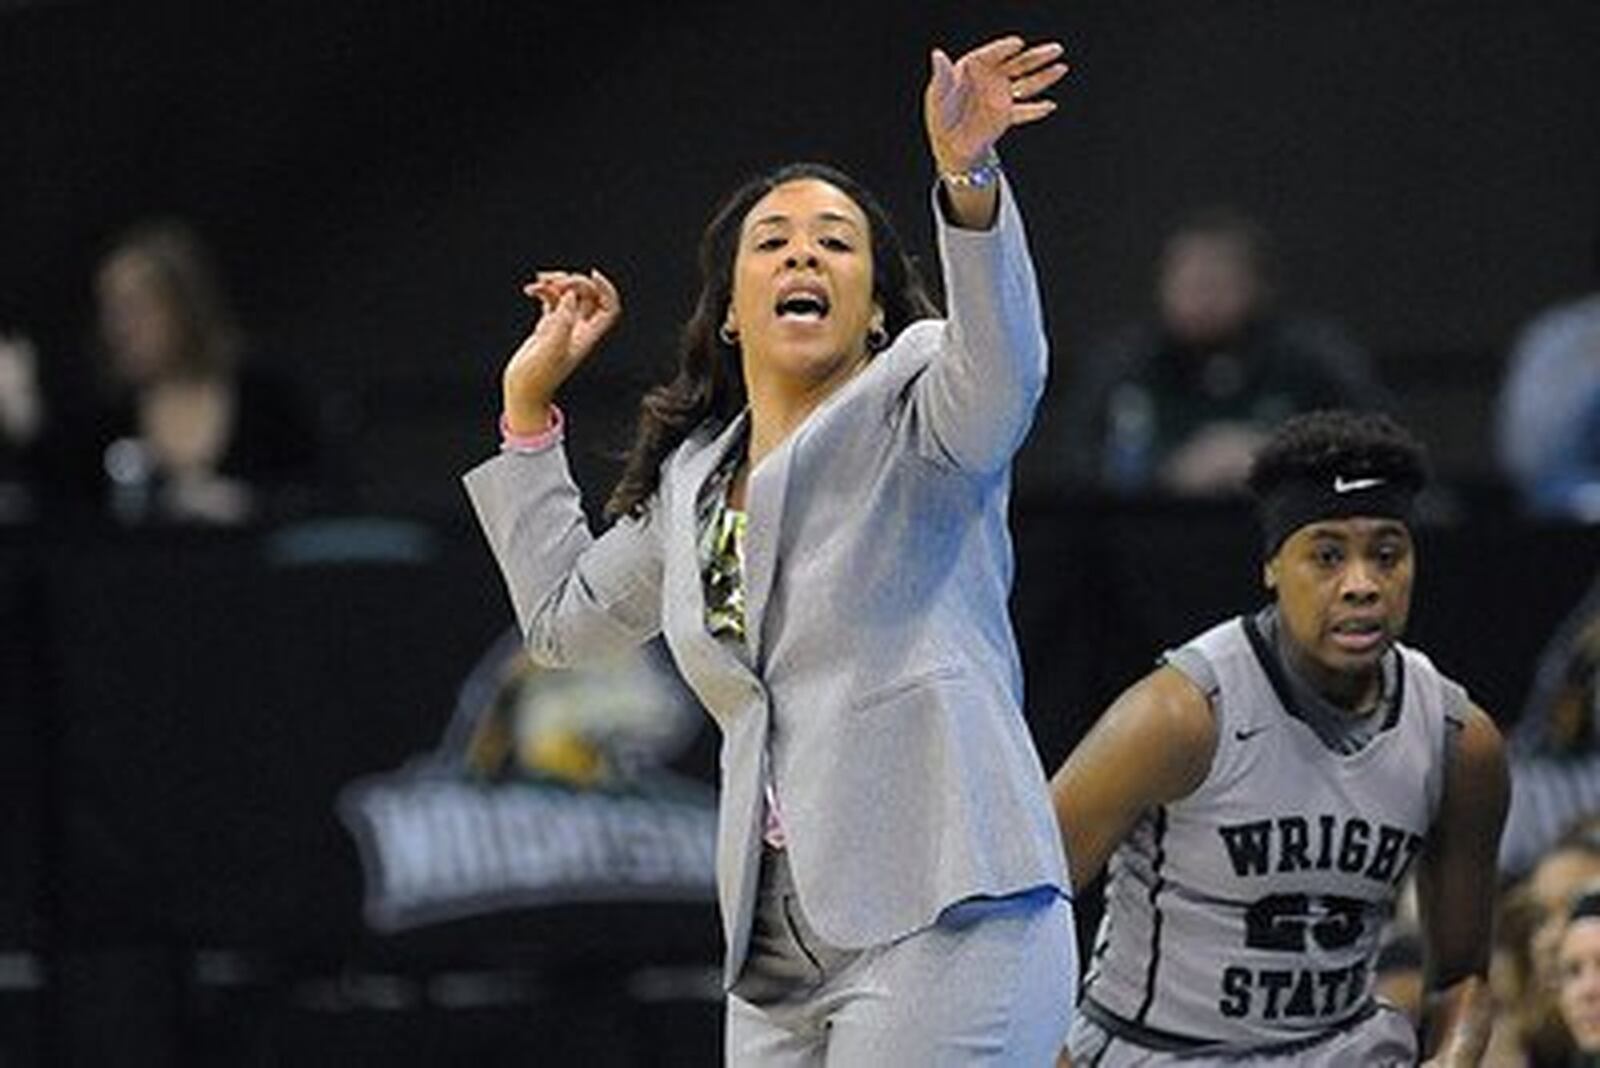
(975,404)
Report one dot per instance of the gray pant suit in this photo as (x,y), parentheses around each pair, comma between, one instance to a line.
(881,688)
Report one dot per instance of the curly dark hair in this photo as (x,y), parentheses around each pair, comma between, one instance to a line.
(1317,446)
(709,384)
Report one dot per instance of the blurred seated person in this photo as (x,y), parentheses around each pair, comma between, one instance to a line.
(1532,1012)
(1555,745)
(1578,989)
(1549,411)
(21,420)
(187,430)
(1181,404)
(1526,1030)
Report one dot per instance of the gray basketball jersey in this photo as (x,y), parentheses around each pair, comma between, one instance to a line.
(1249,912)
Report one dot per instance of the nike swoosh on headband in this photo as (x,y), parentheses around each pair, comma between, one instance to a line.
(1350,485)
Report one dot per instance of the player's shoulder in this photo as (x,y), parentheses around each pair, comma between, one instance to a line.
(1480,746)
(1171,723)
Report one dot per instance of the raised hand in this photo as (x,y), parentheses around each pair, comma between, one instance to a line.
(575,312)
(972,101)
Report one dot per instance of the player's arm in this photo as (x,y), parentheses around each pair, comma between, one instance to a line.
(1153,745)
(1456,891)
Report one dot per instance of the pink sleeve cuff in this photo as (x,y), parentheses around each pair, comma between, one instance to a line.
(510,441)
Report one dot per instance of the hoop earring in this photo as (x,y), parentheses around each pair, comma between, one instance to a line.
(877,339)
(727,336)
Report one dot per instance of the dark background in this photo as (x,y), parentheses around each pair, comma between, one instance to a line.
(177,712)
(378,176)
(180,709)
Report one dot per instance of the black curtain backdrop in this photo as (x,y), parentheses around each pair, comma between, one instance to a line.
(377,176)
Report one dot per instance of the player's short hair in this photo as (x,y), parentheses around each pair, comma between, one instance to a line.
(1334,464)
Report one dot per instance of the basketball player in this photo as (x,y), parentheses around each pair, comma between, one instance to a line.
(1261,796)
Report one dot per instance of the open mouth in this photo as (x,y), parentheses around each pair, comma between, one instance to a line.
(802,303)
(1358,634)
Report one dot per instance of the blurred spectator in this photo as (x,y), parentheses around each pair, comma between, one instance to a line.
(1578,959)
(1569,865)
(1181,403)
(186,429)
(1549,417)
(1555,746)
(1524,1020)
(21,420)
(1552,834)
(1530,1023)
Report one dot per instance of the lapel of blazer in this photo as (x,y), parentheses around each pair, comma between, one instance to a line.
(685,588)
(765,492)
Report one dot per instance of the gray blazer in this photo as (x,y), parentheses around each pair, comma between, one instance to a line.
(881,686)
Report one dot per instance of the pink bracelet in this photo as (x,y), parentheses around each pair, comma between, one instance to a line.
(511,441)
